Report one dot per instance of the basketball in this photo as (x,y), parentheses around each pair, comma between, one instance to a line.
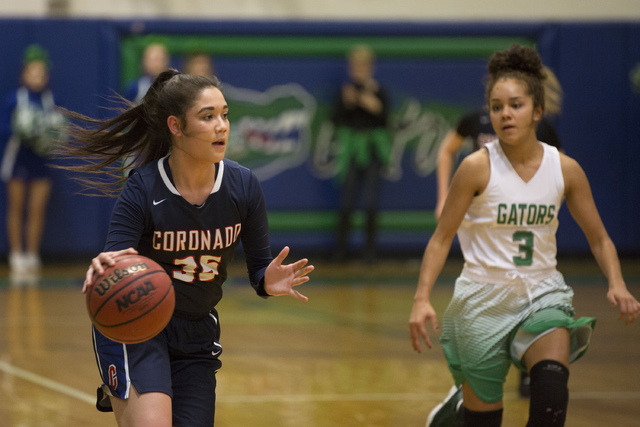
(132,301)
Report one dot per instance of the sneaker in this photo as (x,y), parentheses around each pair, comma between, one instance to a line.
(32,262)
(446,413)
(18,262)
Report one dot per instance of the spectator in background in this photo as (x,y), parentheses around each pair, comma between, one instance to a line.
(199,64)
(29,126)
(361,119)
(155,59)
(477,126)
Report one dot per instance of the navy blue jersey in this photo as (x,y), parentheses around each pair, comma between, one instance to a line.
(477,125)
(194,244)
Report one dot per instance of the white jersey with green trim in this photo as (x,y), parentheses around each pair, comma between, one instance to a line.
(512,224)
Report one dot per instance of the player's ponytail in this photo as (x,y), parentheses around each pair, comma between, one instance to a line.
(139,134)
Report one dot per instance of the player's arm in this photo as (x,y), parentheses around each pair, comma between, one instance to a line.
(446,155)
(583,209)
(255,235)
(469,180)
(125,228)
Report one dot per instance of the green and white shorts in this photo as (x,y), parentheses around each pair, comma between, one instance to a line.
(493,318)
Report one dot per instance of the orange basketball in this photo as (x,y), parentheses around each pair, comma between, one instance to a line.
(132,301)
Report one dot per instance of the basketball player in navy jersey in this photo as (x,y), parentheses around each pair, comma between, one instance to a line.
(187,208)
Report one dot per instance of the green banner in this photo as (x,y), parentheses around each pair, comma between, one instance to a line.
(290,46)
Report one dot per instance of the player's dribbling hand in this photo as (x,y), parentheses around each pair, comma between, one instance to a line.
(280,279)
(104,258)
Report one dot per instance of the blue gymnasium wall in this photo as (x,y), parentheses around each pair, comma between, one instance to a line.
(600,125)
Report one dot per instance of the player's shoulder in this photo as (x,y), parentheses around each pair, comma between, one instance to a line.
(573,174)
(479,159)
(233,165)
(144,172)
(569,164)
(234,169)
(145,176)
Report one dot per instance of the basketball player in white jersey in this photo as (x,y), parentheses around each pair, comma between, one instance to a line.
(510,304)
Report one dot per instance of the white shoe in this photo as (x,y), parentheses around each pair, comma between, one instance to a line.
(18,262)
(445,414)
(32,261)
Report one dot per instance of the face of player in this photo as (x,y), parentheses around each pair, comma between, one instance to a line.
(35,76)
(204,137)
(513,116)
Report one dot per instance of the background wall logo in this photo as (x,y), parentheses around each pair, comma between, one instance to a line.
(416,134)
(271,130)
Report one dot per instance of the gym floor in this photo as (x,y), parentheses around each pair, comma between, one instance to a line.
(342,359)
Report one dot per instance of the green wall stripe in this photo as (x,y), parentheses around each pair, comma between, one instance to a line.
(327,221)
(281,46)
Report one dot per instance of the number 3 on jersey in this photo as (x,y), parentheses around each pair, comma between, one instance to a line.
(208,268)
(525,248)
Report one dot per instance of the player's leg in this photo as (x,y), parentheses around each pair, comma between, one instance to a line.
(194,391)
(547,360)
(480,361)
(462,407)
(39,192)
(194,363)
(142,409)
(137,380)
(478,413)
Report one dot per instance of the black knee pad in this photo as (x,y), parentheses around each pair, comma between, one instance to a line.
(549,394)
(468,418)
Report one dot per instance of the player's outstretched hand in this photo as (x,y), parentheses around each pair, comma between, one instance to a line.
(421,313)
(629,306)
(280,279)
(104,258)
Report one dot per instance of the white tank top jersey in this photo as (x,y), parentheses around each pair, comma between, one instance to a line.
(512,224)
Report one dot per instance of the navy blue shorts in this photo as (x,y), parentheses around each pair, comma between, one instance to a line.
(181,362)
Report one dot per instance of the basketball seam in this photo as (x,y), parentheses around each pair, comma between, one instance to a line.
(136,318)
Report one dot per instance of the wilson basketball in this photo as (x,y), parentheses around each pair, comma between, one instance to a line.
(132,301)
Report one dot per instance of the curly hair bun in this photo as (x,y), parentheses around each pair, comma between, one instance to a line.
(516,58)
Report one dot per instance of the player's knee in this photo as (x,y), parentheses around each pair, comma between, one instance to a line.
(549,394)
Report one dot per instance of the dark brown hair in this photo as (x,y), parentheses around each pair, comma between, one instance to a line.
(522,63)
(138,135)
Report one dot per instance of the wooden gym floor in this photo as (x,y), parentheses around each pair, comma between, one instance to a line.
(341,359)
